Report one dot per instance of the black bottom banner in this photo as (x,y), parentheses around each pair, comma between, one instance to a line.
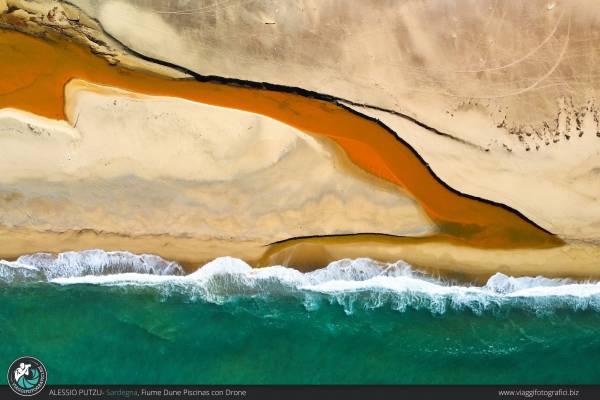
(284,392)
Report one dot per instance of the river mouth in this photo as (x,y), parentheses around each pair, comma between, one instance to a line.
(39,88)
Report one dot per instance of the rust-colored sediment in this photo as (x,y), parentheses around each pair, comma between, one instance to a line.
(35,71)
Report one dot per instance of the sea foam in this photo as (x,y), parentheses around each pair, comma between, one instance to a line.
(46,266)
(352,283)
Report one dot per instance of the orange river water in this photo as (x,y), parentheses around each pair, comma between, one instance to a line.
(34,72)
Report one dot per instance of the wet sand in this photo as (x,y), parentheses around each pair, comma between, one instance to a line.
(439,255)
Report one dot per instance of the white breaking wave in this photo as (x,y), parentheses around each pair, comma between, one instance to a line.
(359,283)
(46,266)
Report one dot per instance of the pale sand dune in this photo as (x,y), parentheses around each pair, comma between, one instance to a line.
(557,186)
(516,81)
(514,59)
(141,165)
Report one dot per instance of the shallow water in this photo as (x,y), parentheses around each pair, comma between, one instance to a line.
(355,321)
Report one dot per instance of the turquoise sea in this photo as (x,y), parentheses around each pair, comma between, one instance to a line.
(111,318)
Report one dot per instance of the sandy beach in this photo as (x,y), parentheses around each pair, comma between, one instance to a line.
(223,161)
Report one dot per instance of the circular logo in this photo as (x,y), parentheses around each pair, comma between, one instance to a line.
(27,376)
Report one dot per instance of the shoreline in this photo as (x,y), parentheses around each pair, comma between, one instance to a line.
(441,256)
